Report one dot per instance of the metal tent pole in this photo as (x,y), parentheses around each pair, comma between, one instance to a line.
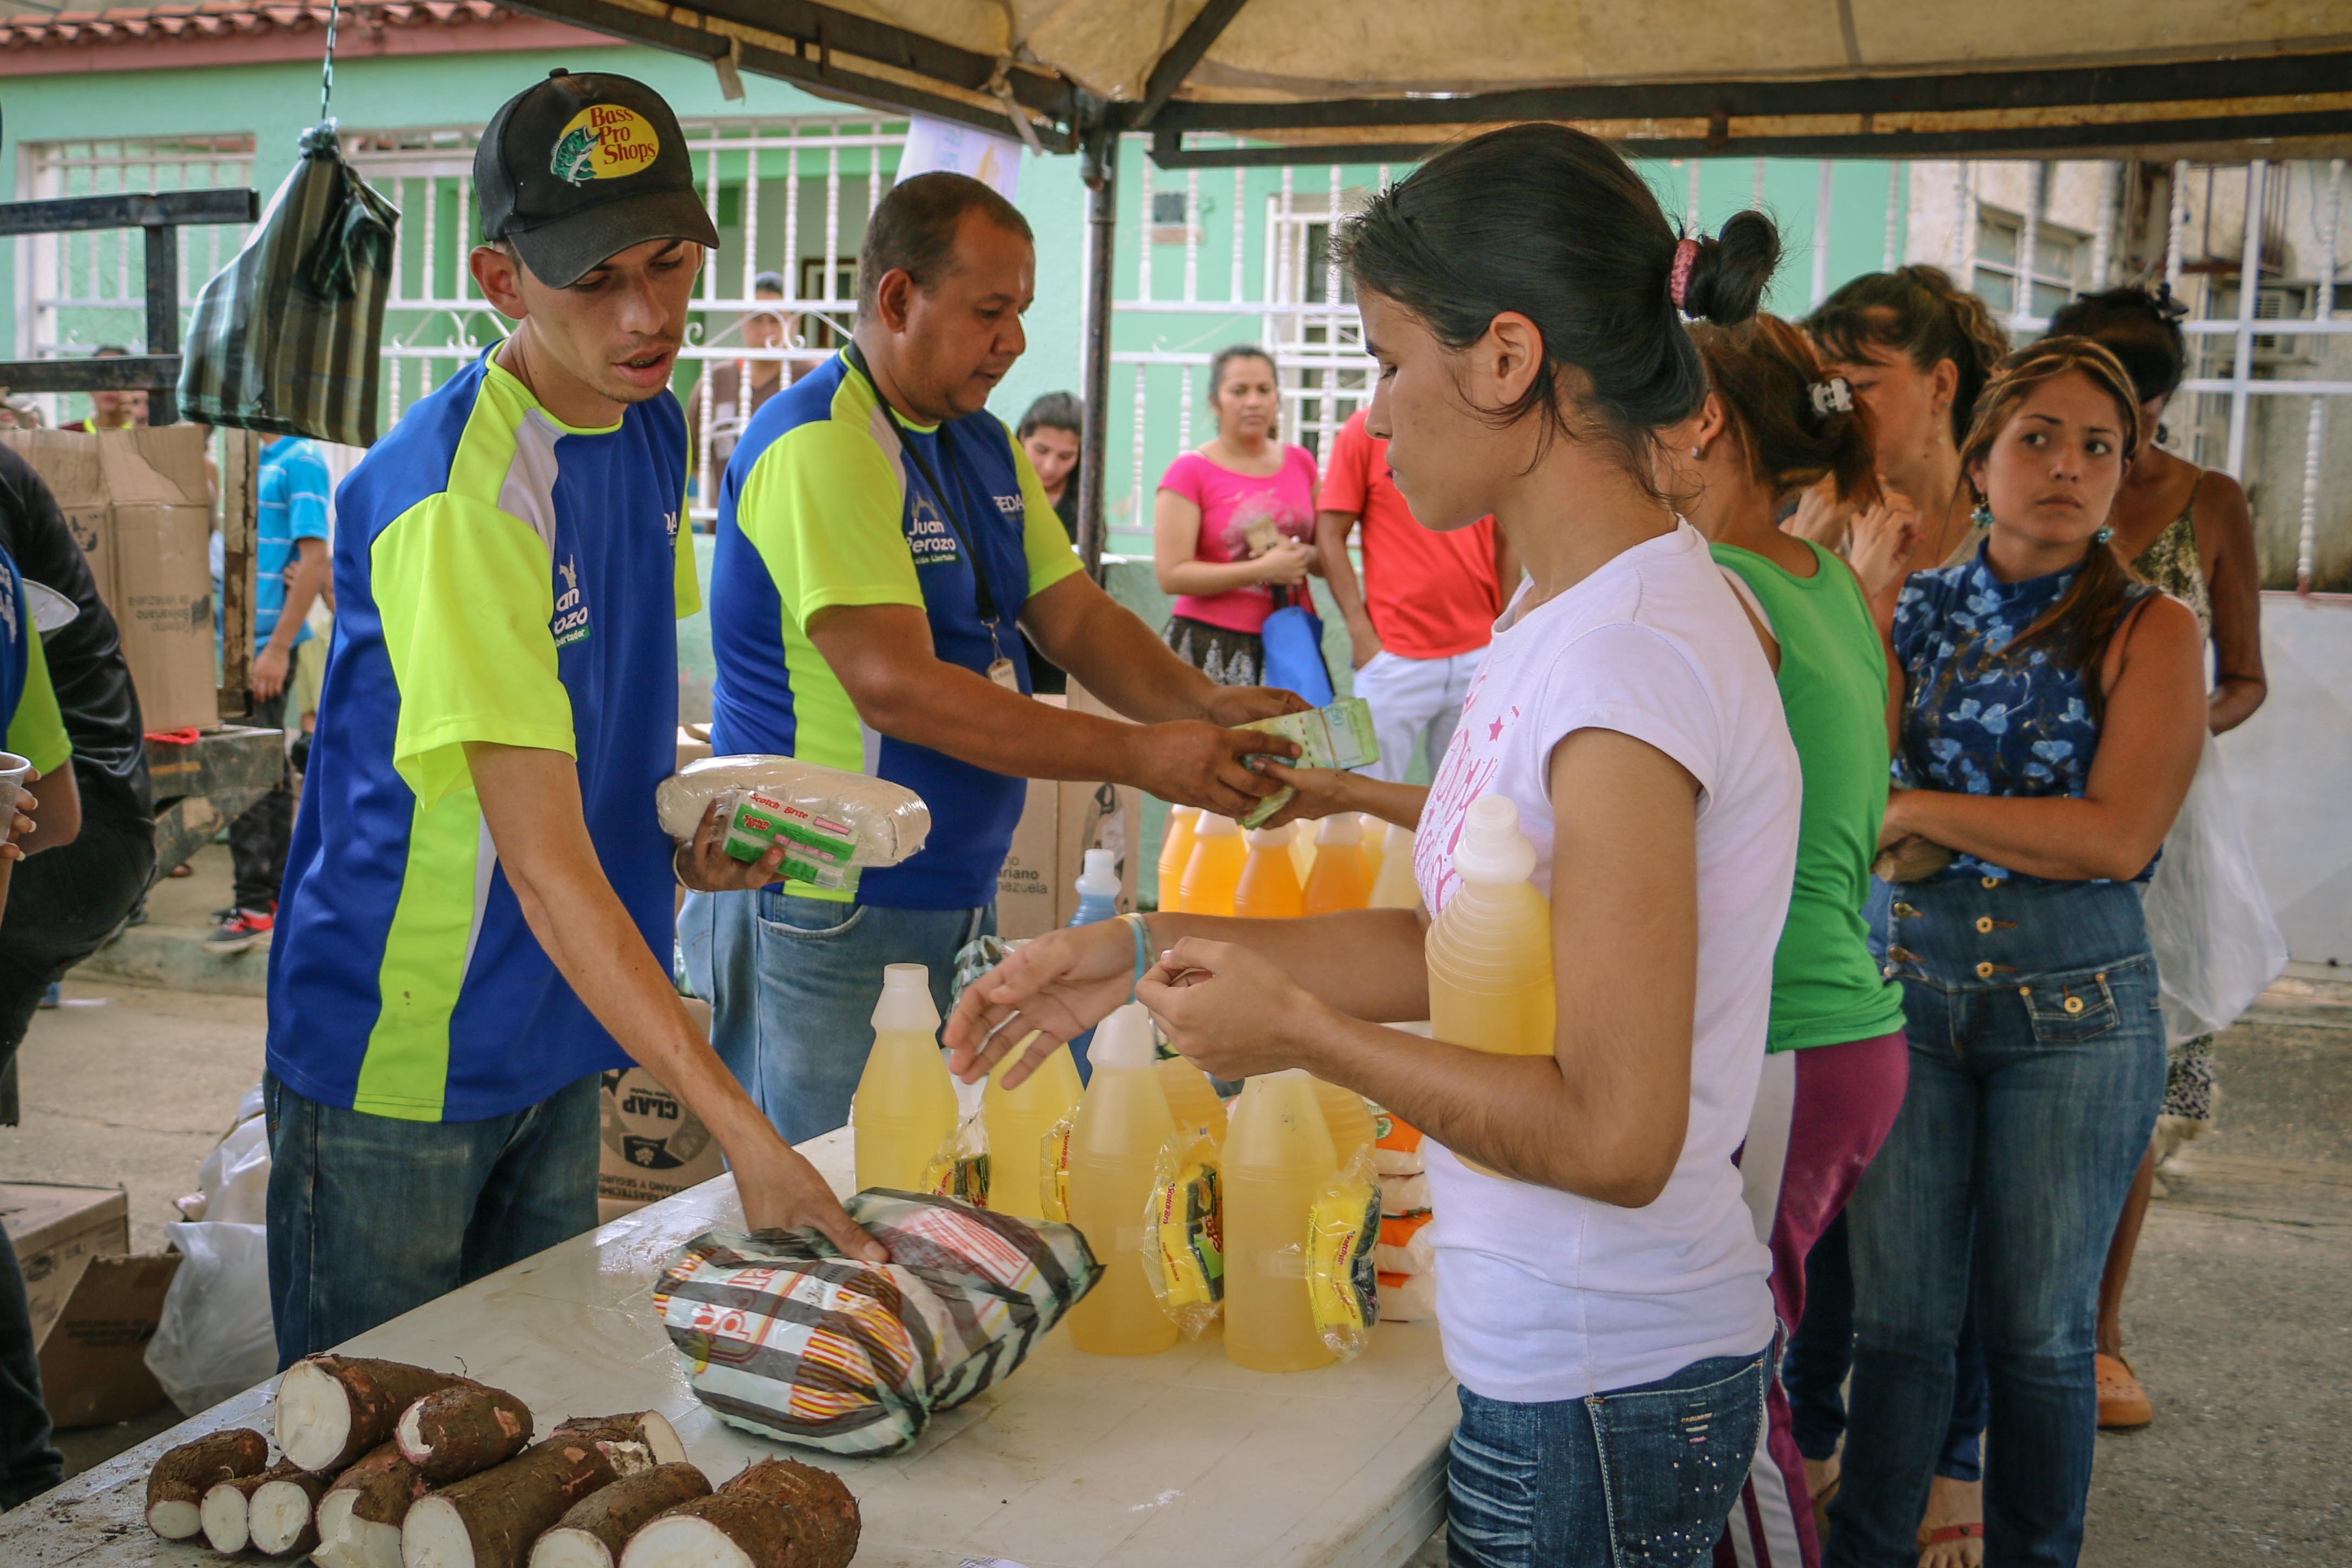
(1100,152)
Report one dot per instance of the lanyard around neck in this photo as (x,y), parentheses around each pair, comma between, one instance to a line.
(984,600)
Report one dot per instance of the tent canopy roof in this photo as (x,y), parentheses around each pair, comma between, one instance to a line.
(1830,77)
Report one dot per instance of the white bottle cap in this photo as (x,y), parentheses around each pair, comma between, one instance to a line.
(1401,840)
(1215,826)
(1123,1040)
(1342,828)
(906,1004)
(1272,837)
(1176,811)
(1100,877)
(1492,848)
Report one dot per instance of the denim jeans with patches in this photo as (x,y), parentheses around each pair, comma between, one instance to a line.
(2037,1066)
(1637,1478)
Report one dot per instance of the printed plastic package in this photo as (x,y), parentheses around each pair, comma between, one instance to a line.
(960,1169)
(781,1335)
(831,822)
(1185,1259)
(1343,1226)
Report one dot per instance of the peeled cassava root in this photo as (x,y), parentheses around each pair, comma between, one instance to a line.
(359,1516)
(491,1519)
(226,1506)
(177,1485)
(591,1534)
(332,1409)
(281,1513)
(454,1432)
(777,1514)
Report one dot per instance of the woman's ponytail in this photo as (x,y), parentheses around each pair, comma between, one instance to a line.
(1728,277)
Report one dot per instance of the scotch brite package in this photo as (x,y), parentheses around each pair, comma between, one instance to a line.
(817,849)
(1186,1259)
(885,822)
(960,1170)
(1340,736)
(779,1335)
(1343,1226)
(1054,1166)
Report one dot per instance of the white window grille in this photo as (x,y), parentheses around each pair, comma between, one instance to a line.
(77,292)
(2001,251)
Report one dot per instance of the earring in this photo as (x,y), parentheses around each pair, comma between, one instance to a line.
(2107,532)
(1694,451)
(1982,516)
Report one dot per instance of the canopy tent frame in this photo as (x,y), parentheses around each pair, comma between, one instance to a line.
(2252,100)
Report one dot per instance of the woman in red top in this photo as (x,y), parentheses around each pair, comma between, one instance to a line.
(1234,524)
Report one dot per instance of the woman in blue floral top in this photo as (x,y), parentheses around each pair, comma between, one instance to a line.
(2050,708)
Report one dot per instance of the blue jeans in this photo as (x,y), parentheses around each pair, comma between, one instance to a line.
(1820,1353)
(791,984)
(2037,1068)
(371,1216)
(1640,1478)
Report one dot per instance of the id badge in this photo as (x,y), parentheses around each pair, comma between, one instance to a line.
(1001,672)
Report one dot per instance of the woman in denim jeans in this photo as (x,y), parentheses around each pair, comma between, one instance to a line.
(2051,704)
(1603,1300)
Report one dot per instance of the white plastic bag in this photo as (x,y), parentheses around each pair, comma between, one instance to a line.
(215,1339)
(235,1179)
(2208,920)
(890,820)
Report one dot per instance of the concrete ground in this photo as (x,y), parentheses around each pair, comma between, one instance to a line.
(2236,1316)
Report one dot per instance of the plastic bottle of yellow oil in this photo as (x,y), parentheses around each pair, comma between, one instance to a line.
(1175,849)
(1341,880)
(1278,1153)
(1194,1100)
(1017,1120)
(1269,888)
(906,1104)
(1123,1123)
(1302,851)
(1393,887)
(1214,868)
(1375,840)
(1345,1116)
(1490,952)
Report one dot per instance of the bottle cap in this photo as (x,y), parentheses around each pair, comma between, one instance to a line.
(1492,848)
(1342,828)
(1100,877)
(1272,837)
(906,1004)
(1215,826)
(1123,1039)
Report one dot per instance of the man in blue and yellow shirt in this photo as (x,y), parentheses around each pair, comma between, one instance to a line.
(883,543)
(478,888)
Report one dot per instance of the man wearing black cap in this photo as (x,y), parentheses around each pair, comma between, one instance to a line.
(477,889)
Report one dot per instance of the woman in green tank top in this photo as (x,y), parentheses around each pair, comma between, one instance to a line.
(1774,423)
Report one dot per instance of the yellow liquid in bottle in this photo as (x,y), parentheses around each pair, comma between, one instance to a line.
(1340,880)
(1193,1098)
(1278,1153)
(1393,887)
(1346,1117)
(1175,849)
(1489,954)
(1375,842)
(1269,888)
(1302,851)
(1122,1125)
(1017,1120)
(905,1108)
(1214,870)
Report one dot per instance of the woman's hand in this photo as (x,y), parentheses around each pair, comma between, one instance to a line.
(1228,1010)
(703,865)
(1884,539)
(1286,564)
(1820,516)
(1055,988)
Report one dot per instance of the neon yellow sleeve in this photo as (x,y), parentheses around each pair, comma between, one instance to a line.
(822,509)
(689,586)
(465,596)
(1051,559)
(38,732)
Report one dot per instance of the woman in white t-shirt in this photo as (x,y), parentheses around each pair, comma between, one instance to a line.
(1603,1301)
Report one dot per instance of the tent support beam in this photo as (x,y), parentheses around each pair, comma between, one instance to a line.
(1191,47)
(1100,151)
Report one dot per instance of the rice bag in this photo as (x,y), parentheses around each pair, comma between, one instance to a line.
(1403,1246)
(829,819)
(1404,1194)
(1396,1149)
(1408,1298)
(1343,1224)
(781,1335)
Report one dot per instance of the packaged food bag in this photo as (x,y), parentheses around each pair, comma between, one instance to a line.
(1343,1226)
(831,823)
(960,1169)
(783,1336)
(1184,1218)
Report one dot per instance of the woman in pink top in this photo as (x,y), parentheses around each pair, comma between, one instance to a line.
(1233,526)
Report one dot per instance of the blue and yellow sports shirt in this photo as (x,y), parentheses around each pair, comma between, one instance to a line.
(36,730)
(821,507)
(503,577)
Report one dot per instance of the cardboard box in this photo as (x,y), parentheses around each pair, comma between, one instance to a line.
(654,1146)
(94,1357)
(1037,891)
(57,1231)
(139,500)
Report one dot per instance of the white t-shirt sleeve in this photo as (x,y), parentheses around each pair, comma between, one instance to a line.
(1623,675)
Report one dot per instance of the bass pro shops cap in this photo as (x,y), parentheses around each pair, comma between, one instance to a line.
(577,169)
